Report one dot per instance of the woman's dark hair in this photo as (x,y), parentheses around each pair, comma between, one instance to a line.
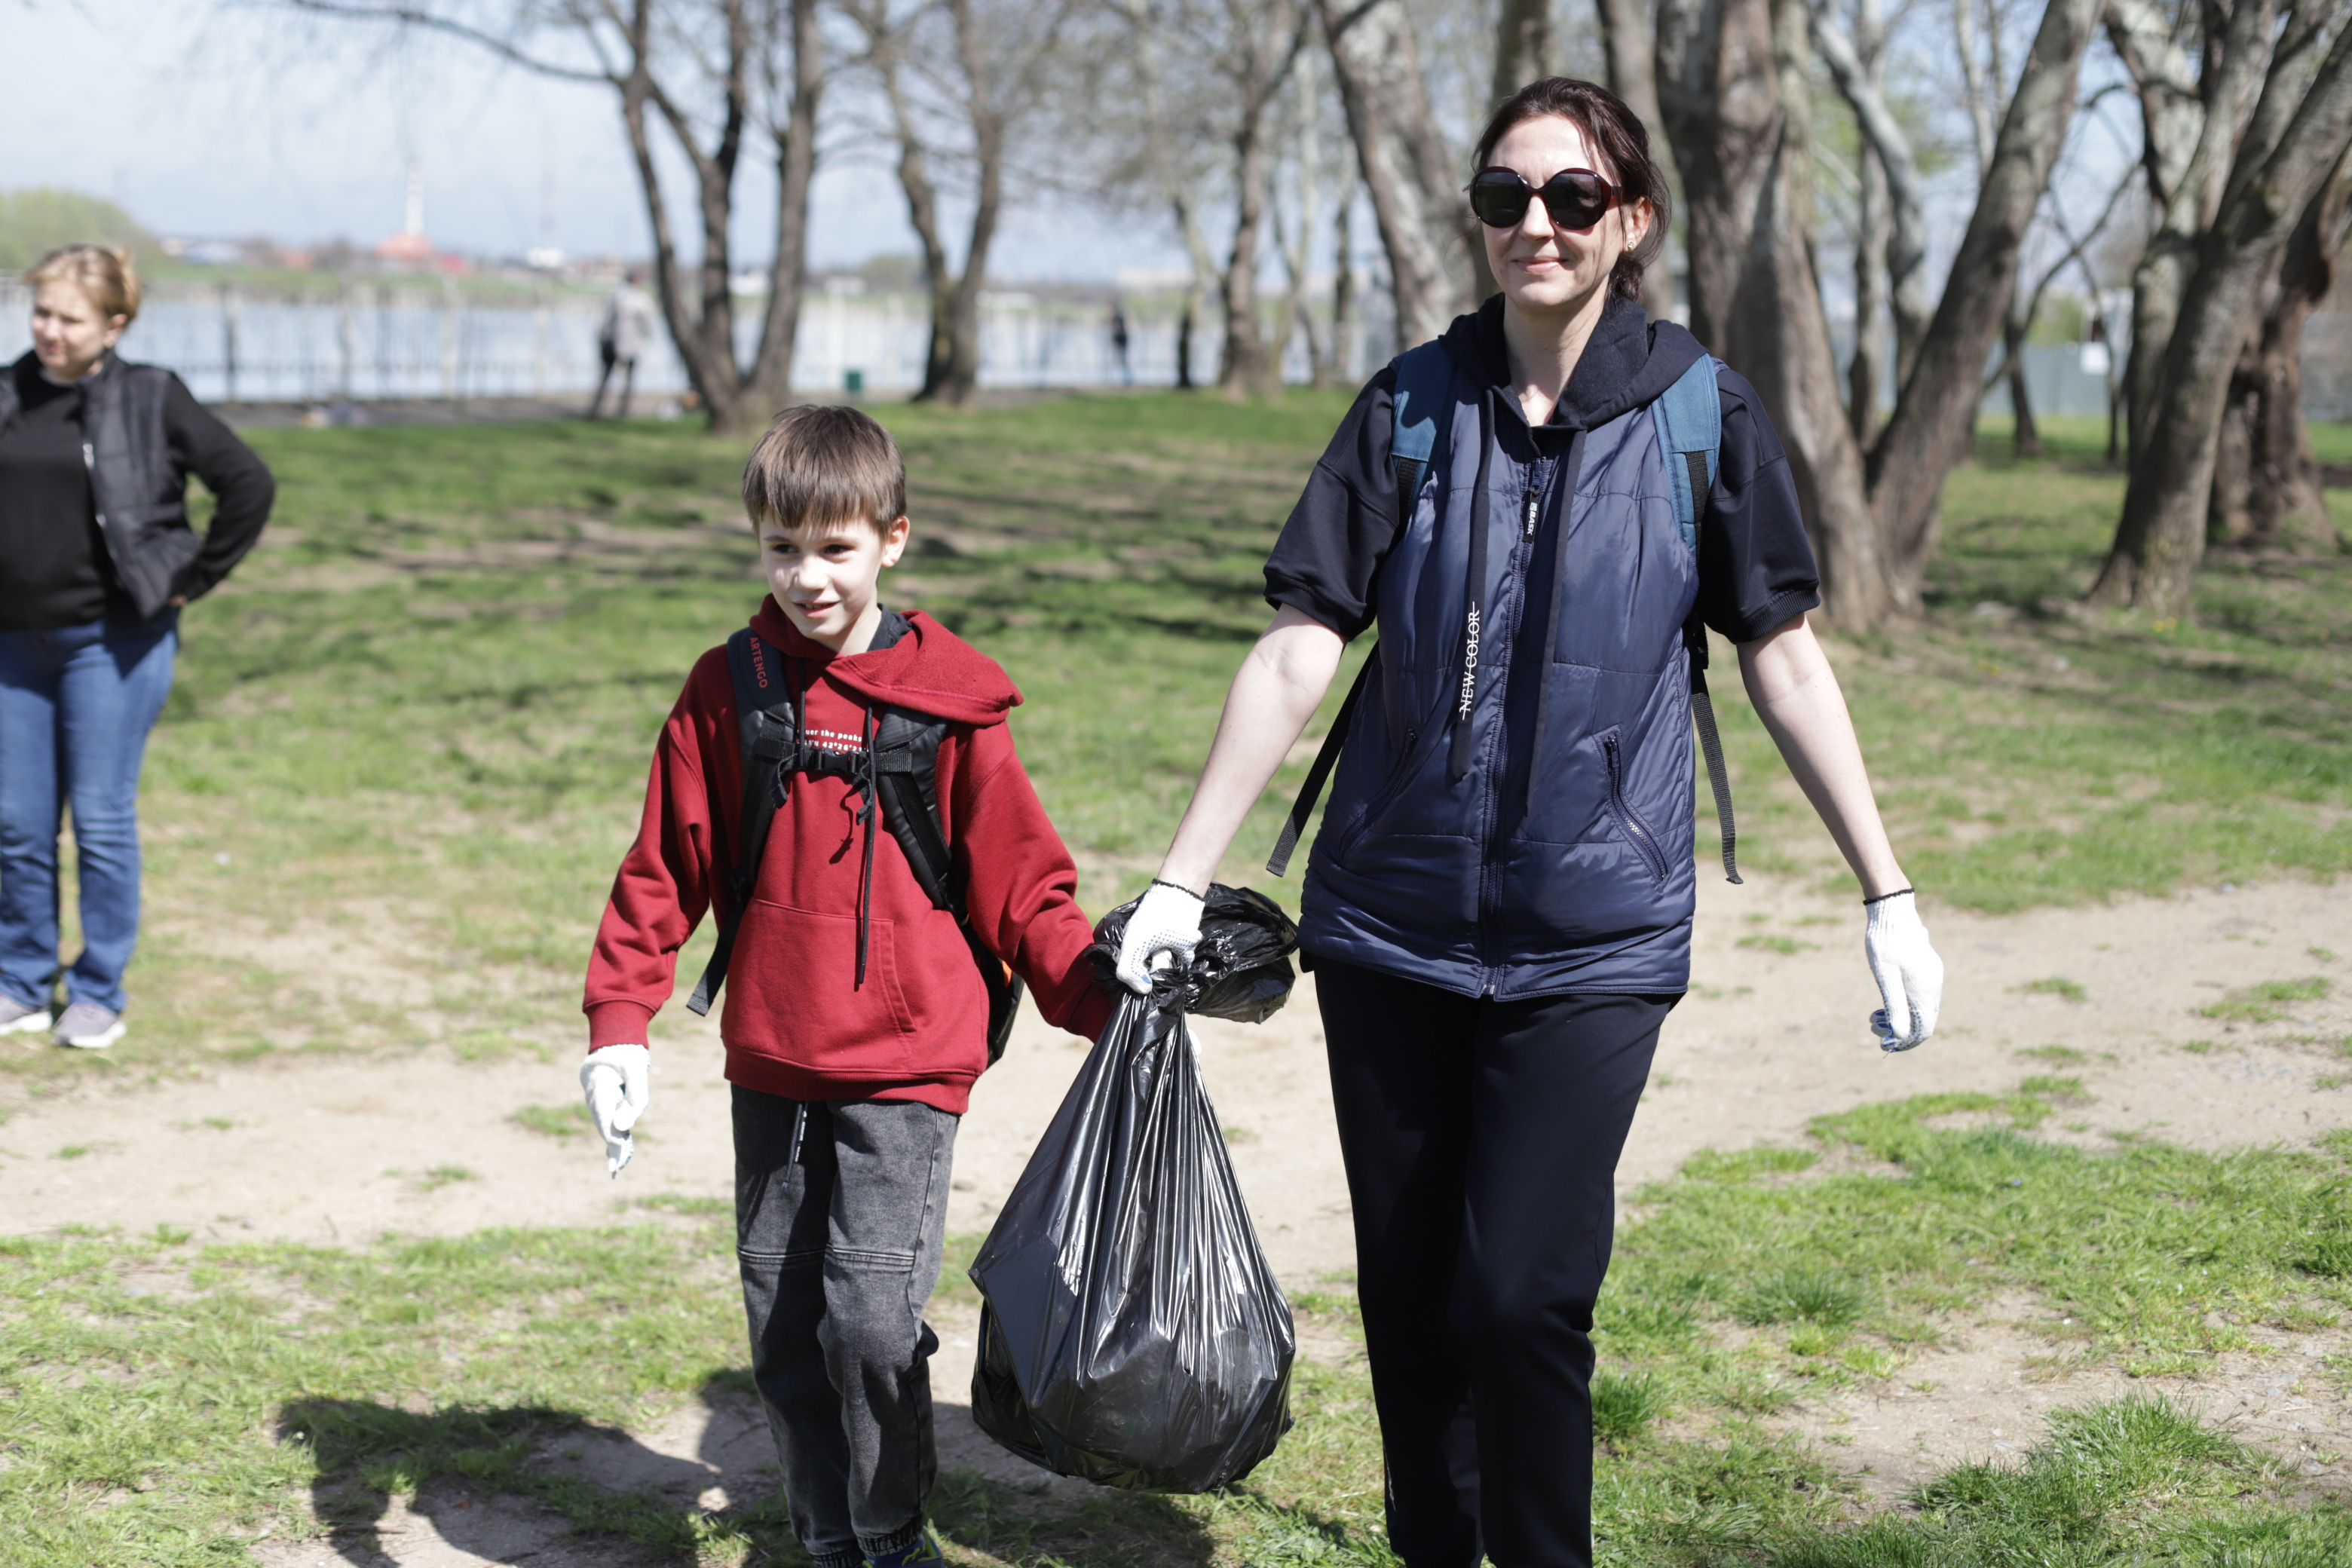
(1617,134)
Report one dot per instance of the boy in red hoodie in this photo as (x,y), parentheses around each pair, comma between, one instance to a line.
(855,1019)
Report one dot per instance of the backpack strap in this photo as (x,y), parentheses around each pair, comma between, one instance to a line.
(767,721)
(1425,376)
(1690,417)
(904,763)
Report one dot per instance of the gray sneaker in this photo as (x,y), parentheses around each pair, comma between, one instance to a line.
(88,1026)
(15,1018)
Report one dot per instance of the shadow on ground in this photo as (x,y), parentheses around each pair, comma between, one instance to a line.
(546,1487)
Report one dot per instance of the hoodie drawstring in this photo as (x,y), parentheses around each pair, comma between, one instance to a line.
(857,769)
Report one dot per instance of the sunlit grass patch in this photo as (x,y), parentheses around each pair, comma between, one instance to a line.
(2266,1003)
(302,1387)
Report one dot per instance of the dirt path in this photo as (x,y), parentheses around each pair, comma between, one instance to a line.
(343,1149)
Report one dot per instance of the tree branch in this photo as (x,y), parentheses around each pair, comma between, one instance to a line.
(434,22)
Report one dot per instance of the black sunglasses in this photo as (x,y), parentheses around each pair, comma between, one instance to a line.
(1575,199)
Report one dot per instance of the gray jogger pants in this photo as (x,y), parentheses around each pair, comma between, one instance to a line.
(840,1211)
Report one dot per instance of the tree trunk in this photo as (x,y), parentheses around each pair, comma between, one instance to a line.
(2226,519)
(1522,46)
(1626,38)
(2233,70)
(628,48)
(1333,370)
(1423,218)
(1754,299)
(1867,371)
(1929,430)
(2025,436)
(771,371)
(2291,147)
(2267,483)
(1857,65)
(1196,285)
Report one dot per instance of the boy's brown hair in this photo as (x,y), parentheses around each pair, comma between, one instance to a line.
(820,464)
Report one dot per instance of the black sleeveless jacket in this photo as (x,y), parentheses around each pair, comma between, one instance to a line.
(138,485)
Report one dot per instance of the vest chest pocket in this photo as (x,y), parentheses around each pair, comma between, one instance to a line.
(1644,841)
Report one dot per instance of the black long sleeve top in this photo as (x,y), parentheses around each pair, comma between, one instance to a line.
(53,566)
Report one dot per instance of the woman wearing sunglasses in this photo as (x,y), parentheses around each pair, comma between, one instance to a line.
(1499,905)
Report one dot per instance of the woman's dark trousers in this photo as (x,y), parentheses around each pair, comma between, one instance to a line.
(1481,1141)
(840,1210)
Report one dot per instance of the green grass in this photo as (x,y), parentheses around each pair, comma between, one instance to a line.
(168,1401)
(2266,1003)
(416,723)
(556,1120)
(414,729)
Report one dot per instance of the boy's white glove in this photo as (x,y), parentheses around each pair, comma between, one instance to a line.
(1910,976)
(1168,919)
(619,1082)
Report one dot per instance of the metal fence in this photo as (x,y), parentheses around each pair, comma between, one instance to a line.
(363,339)
(416,338)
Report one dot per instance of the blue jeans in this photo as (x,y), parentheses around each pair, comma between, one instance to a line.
(75,705)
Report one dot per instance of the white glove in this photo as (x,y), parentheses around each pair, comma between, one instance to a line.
(619,1082)
(1167,921)
(1910,976)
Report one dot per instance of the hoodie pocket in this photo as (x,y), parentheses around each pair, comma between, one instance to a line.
(792,994)
(1644,841)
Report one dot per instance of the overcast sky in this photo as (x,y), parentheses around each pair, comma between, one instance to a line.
(224,118)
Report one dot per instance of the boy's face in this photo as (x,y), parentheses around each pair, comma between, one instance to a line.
(826,576)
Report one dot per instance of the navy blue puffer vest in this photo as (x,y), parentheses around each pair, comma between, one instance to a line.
(1556,857)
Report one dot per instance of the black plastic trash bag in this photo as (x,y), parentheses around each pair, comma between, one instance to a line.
(1132,1332)
(1241,971)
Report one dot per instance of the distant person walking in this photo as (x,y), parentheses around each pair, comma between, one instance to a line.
(627,333)
(96,558)
(1119,344)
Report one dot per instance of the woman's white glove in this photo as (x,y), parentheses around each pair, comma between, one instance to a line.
(619,1082)
(1168,919)
(1910,976)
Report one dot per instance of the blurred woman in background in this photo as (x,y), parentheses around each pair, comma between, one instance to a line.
(96,558)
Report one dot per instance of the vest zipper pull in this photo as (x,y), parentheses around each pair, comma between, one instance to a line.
(1534,500)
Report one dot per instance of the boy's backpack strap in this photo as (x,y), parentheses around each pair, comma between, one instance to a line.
(1425,378)
(1690,417)
(906,776)
(905,770)
(905,764)
(768,730)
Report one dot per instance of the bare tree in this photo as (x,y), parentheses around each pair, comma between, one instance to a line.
(1163,132)
(1754,298)
(960,77)
(1892,209)
(1417,201)
(712,73)
(1730,74)
(1342,338)
(2191,121)
(1929,430)
(1626,43)
(1522,45)
(1260,40)
(2266,481)
(2288,151)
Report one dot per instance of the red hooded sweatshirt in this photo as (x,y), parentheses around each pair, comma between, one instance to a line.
(795,1021)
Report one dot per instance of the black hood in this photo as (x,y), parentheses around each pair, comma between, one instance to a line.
(1629,362)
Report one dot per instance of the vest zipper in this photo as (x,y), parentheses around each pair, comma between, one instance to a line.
(1490,891)
(1644,842)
